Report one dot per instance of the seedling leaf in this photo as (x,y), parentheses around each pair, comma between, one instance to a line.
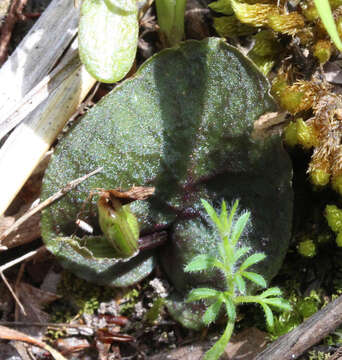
(241,284)
(239,227)
(268,315)
(211,313)
(251,260)
(278,303)
(256,278)
(274,291)
(230,306)
(203,262)
(201,293)
(212,214)
(241,252)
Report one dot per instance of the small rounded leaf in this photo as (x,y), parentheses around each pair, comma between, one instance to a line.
(107,40)
(121,5)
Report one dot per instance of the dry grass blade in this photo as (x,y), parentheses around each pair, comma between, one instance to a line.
(47,202)
(10,334)
(12,263)
(41,91)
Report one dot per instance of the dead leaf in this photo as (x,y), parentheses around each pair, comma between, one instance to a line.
(246,345)
(10,334)
(33,300)
(26,233)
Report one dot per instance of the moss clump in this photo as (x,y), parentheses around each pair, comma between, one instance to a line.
(154,312)
(306,134)
(84,297)
(290,134)
(307,248)
(294,98)
(265,50)
(318,106)
(322,50)
(302,308)
(333,216)
(128,302)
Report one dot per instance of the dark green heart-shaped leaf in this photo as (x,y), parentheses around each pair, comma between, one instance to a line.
(183,124)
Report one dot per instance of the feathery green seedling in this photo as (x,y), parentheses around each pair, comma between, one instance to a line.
(235,274)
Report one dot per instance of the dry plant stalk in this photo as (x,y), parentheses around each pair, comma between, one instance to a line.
(46,203)
(10,334)
(28,143)
(37,53)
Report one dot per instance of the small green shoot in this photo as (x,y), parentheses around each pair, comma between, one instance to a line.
(170,15)
(324,11)
(235,274)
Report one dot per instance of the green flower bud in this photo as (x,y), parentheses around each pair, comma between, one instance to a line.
(119,225)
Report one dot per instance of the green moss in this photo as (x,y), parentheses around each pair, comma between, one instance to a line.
(306,134)
(302,308)
(85,297)
(129,301)
(318,355)
(154,312)
(290,134)
(333,216)
(222,6)
(307,248)
(322,51)
(319,177)
(336,184)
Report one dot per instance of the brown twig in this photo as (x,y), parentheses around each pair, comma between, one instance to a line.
(16,286)
(7,28)
(47,202)
(10,334)
(39,324)
(8,265)
(309,333)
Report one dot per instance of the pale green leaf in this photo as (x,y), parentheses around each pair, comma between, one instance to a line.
(122,5)
(251,260)
(201,293)
(324,11)
(239,226)
(239,253)
(231,308)
(107,40)
(212,214)
(268,315)
(230,219)
(241,284)
(279,303)
(224,215)
(203,262)
(274,291)
(212,312)
(256,278)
